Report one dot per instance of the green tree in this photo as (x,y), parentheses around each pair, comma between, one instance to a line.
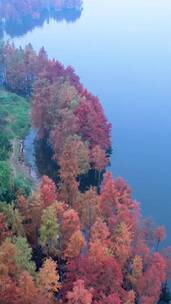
(23,255)
(49,232)
(5,146)
(13,218)
(6,182)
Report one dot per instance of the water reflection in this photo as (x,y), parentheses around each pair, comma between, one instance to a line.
(19,17)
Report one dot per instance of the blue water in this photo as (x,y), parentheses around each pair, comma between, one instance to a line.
(29,153)
(122,53)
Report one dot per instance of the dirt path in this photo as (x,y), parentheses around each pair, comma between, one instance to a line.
(18,163)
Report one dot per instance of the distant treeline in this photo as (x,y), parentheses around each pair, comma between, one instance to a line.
(19,17)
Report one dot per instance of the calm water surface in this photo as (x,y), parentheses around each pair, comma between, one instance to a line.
(122,52)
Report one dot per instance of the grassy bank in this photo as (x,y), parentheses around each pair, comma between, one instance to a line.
(14,125)
(14,112)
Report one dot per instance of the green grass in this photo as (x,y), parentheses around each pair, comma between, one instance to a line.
(14,125)
(14,115)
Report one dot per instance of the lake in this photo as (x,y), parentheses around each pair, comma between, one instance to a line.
(122,52)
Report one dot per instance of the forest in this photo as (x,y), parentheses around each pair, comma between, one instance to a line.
(79,236)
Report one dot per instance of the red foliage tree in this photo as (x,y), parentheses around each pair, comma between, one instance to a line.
(155,272)
(79,294)
(159,235)
(99,158)
(94,268)
(87,206)
(75,245)
(48,192)
(69,226)
(99,232)
(111,299)
(92,123)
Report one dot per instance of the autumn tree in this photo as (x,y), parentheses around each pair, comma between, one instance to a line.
(121,241)
(79,294)
(75,245)
(113,298)
(137,271)
(99,159)
(109,198)
(74,161)
(47,191)
(65,127)
(155,272)
(48,278)
(41,116)
(130,297)
(94,268)
(8,265)
(87,206)
(159,235)
(27,289)
(32,221)
(93,125)
(69,226)
(100,232)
